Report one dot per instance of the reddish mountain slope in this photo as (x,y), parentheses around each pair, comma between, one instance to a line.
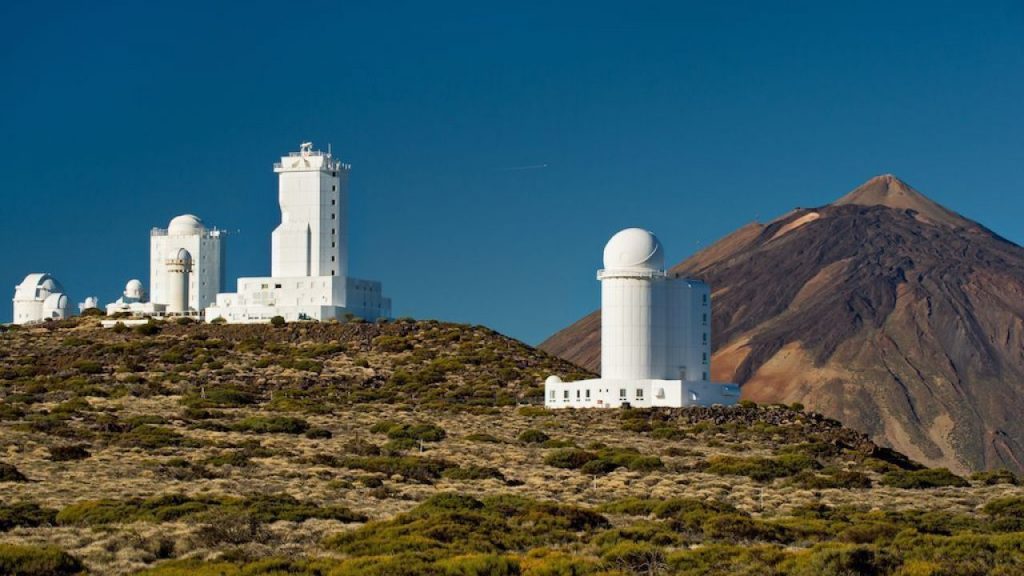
(884,310)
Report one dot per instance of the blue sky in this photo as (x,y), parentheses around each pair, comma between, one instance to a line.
(686,118)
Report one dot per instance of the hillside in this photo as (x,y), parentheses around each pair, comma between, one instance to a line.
(884,310)
(396,448)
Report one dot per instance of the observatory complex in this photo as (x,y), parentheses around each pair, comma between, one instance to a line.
(655,336)
(309,252)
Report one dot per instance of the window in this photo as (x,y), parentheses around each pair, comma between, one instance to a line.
(565,396)
(332,244)
(277,285)
(332,216)
(588,393)
(332,272)
(622,394)
(577,395)
(552,394)
(639,393)
(704,376)
(332,258)
(334,188)
(704,299)
(705,337)
(332,231)
(705,319)
(704,357)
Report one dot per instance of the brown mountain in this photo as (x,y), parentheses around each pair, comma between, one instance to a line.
(884,310)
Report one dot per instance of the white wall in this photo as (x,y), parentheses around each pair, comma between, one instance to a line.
(312,237)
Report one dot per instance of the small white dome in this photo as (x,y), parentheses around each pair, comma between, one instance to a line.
(184,255)
(134,289)
(185,225)
(634,248)
(552,380)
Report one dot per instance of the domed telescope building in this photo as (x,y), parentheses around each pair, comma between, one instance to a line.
(38,298)
(186,237)
(655,335)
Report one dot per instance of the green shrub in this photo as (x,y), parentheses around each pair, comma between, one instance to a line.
(68,452)
(423,432)
(485,438)
(920,479)
(473,472)
(37,561)
(635,558)
(149,436)
(318,434)
(571,458)
(739,528)
(993,477)
(411,467)
(8,473)
(271,425)
(277,321)
(221,398)
(88,366)
(761,469)
(27,514)
(532,436)
(147,329)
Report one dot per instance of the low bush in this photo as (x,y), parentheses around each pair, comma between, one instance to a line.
(761,469)
(413,468)
(473,472)
(271,425)
(571,458)
(532,436)
(68,452)
(166,508)
(922,479)
(8,473)
(37,561)
(27,514)
(151,437)
(421,432)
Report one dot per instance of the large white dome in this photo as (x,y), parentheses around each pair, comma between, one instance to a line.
(185,225)
(634,248)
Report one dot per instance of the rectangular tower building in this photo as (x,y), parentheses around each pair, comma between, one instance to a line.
(312,239)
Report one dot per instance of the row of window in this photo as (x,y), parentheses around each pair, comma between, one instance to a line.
(639,396)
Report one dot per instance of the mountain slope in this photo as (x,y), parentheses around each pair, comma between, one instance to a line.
(884,310)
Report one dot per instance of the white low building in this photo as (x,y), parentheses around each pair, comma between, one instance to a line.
(38,298)
(309,252)
(655,336)
(134,301)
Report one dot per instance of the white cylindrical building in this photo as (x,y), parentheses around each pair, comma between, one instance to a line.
(633,344)
(178,269)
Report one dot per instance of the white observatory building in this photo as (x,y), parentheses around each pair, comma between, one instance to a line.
(309,252)
(38,298)
(171,278)
(135,302)
(655,335)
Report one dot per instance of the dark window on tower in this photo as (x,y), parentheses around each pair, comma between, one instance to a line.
(332,202)
(332,216)
(333,189)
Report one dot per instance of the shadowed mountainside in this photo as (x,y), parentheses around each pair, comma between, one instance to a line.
(884,310)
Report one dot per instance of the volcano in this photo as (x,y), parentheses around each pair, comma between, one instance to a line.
(884,310)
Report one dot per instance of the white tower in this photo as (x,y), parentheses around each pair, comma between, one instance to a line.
(178,270)
(206,247)
(633,307)
(655,335)
(312,239)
